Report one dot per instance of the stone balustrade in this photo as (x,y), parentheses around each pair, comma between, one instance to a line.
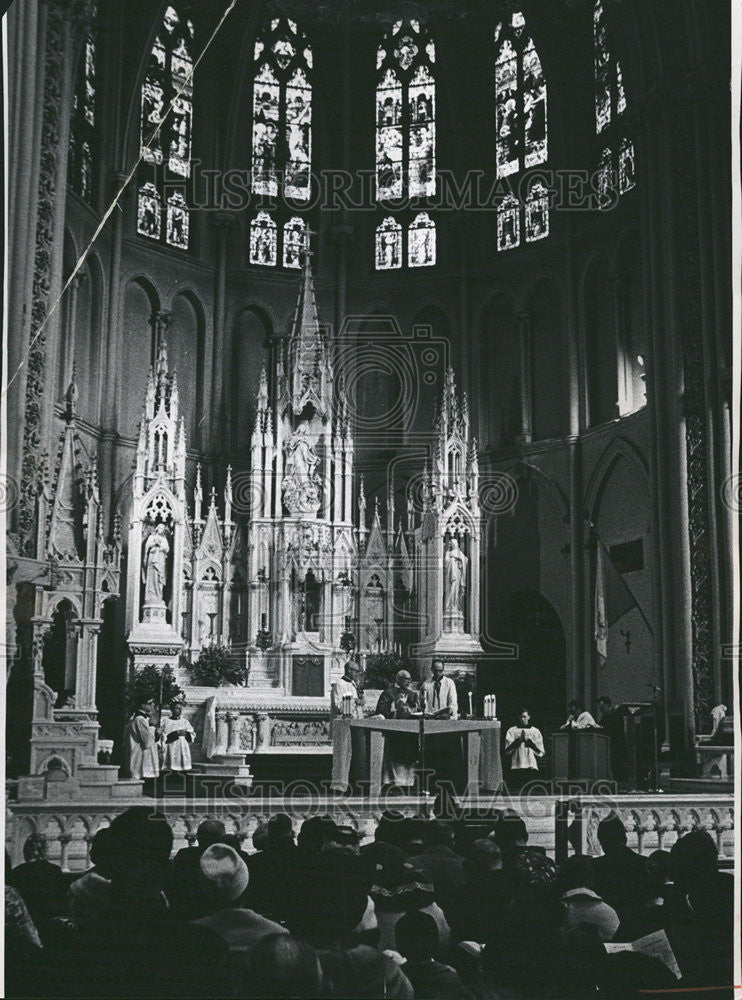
(653,821)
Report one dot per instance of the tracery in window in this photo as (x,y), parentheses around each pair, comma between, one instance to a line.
(294,241)
(520,99)
(405,113)
(610,104)
(282,111)
(405,142)
(83,133)
(166,131)
(263,240)
(537,212)
(421,241)
(508,223)
(388,245)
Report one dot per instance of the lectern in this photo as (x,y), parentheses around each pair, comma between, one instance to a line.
(580,754)
(484,767)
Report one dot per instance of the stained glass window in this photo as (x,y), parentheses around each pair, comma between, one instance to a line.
(537,212)
(626,177)
(149,211)
(388,245)
(605,179)
(421,241)
(177,221)
(282,111)
(263,240)
(610,97)
(83,134)
(405,113)
(520,99)
(610,104)
(166,131)
(508,223)
(294,240)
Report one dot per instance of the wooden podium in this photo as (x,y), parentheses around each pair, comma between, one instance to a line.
(484,767)
(580,754)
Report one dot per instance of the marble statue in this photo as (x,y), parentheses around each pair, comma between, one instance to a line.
(301,482)
(454,576)
(154,565)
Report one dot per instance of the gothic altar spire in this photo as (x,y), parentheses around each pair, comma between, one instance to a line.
(308,373)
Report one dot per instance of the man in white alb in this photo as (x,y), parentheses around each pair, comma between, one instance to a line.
(353,740)
(578,717)
(439,694)
(524,746)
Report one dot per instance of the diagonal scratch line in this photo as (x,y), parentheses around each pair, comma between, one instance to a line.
(115,203)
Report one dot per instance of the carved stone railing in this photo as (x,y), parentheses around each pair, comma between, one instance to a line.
(273,727)
(653,822)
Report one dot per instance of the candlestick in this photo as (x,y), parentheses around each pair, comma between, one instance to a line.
(471,709)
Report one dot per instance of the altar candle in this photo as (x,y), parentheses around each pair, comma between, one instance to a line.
(471,710)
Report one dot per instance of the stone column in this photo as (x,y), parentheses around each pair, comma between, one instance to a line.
(213,407)
(87,659)
(262,730)
(113,387)
(234,720)
(222,733)
(523,321)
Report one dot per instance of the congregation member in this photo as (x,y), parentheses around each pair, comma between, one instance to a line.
(140,744)
(417,942)
(399,888)
(89,895)
(440,863)
(223,885)
(184,873)
(273,868)
(482,899)
(524,747)
(176,736)
(42,885)
(585,910)
(282,966)
(386,848)
(524,866)
(620,874)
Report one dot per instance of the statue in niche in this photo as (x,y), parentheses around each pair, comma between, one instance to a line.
(454,564)
(301,482)
(154,565)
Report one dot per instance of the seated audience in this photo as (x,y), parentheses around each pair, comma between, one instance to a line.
(224,880)
(586,911)
(42,884)
(699,912)
(338,918)
(417,942)
(137,946)
(620,874)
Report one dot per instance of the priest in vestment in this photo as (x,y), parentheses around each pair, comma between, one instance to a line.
(142,758)
(176,736)
(399,701)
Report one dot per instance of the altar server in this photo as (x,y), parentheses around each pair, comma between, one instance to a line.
(524,746)
(176,736)
(140,744)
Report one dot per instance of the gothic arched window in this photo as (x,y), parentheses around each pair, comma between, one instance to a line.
(263,240)
(166,131)
(405,140)
(521,130)
(616,167)
(281,161)
(83,132)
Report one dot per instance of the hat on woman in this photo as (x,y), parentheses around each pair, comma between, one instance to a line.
(400,886)
(224,874)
